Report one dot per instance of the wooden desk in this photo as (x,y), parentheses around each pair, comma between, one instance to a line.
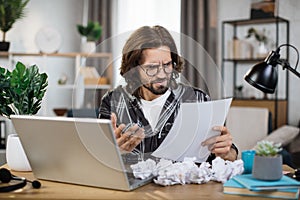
(55,190)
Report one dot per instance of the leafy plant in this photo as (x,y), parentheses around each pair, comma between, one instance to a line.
(259,36)
(10,12)
(21,90)
(92,31)
(267,148)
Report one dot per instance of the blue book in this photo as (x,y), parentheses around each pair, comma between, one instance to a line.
(257,185)
(233,187)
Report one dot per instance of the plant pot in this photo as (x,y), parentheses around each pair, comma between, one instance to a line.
(4,46)
(88,47)
(267,168)
(15,155)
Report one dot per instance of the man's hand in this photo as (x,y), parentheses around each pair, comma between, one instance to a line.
(221,145)
(127,139)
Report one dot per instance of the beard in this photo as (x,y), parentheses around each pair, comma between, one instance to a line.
(157,90)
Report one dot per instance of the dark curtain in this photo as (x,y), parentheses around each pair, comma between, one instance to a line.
(101,11)
(199,45)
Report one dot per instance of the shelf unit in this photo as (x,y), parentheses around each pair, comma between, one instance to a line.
(277,106)
(78,60)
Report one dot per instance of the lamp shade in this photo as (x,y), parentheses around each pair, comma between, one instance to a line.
(263,76)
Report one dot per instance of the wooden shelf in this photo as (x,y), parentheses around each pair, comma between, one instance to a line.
(244,60)
(3,55)
(258,99)
(255,21)
(66,54)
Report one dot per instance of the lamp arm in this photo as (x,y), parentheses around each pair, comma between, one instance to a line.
(288,45)
(285,65)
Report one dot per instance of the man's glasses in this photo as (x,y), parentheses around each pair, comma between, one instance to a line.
(153,69)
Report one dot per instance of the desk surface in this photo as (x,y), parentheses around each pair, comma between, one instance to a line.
(55,190)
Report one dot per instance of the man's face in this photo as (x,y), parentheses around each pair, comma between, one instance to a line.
(156,70)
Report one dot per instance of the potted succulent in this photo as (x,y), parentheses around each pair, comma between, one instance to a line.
(10,12)
(92,32)
(21,92)
(267,161)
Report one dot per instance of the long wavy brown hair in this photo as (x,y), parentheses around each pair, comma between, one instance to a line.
(143,38)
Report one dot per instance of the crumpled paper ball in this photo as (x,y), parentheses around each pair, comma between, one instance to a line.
(143,169)
(187,172)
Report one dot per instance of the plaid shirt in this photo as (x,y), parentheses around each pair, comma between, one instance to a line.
(128,109)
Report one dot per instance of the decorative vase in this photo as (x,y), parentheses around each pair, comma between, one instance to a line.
(262,50)
(15,156)
(88,47)
(267,168)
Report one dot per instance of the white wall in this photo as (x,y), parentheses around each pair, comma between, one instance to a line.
(288,9)
(62,15)
(58,14)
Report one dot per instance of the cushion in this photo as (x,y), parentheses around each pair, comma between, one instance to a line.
(284,135)
(242,122)
(294,146)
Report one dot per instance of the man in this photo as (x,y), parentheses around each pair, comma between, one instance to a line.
(150,101)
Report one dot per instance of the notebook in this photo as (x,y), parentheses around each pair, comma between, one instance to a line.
(260,185)
(235,188)
(75,150)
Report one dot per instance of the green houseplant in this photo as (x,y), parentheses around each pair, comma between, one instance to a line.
(92,32)
(10,12)
(267,161)
(259,36)
(262,40)
(21,92)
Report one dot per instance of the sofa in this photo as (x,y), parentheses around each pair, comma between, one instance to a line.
(248,125)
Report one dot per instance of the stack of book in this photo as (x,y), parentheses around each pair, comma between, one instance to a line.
(246,185)
(91,76)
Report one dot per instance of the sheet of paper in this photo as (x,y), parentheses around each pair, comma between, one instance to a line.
(192,126)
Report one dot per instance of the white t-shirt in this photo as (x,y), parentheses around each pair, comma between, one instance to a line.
(153,108)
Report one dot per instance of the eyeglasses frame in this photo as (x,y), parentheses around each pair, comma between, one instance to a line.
(158,68)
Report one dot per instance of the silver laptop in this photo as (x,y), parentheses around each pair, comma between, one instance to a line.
(75,150)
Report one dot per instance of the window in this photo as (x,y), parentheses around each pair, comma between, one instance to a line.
(132,14)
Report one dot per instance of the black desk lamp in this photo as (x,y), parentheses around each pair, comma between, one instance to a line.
(263,75)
